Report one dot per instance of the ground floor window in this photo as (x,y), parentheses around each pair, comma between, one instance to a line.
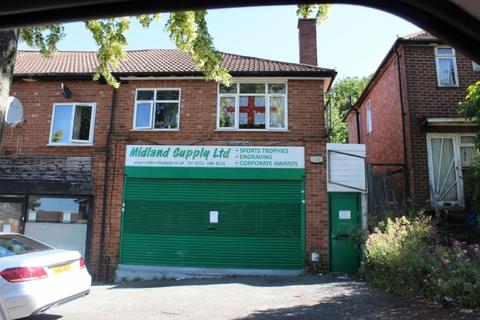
(11,213)
(45,209)
(57,221)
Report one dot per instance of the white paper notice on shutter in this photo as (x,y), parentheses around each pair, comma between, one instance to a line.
(345,214)
(213,216)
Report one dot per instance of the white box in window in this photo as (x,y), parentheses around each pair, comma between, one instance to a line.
(32,216)
(67,216)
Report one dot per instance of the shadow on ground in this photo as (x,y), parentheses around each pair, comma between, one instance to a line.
(363,304)
(308,297)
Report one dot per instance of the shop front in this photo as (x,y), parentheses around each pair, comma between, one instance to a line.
(47,198)
(213,208)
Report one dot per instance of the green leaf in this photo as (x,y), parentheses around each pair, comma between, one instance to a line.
(188,30)
(44,38)
(470,107)
(109,34)
(319,10)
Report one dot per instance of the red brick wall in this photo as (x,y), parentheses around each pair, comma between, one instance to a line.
(197,127)
(422,98)
(427,99)
(384,143)
(32,137)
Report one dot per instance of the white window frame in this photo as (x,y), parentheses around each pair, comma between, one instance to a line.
(458,160)
(369,116)
(153,106)
(267,96)
(454,60)
(74,142)
(465,144)
(475,66)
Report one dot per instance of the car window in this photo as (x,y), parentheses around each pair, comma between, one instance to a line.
(13,244)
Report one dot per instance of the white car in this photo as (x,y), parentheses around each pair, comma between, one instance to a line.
(35,277)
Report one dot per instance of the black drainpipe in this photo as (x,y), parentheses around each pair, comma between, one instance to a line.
(357,118)
(404,133)
(105,186)
(358,125)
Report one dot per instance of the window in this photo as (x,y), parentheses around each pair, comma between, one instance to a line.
(446,67)
(475,66)
(467,150)
(72,124)
(369,117)
(156,109)
(57,210)
(15,244)
(250,106)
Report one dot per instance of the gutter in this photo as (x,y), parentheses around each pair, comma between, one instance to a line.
(326,73)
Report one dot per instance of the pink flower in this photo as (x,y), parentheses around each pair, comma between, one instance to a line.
(445,261)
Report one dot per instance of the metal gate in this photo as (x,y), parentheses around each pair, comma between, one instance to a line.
(250,224)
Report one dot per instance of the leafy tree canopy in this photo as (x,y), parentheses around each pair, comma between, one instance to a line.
(340,95)
(470,107)
(319,10)
(188,30)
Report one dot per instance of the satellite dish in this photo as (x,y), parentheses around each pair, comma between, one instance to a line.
(14,114)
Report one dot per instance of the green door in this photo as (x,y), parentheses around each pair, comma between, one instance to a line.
(255,224)
(344,223)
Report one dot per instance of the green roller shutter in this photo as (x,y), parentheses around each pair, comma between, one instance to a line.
(166,223)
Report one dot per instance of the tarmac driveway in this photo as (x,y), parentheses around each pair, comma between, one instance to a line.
(253,298)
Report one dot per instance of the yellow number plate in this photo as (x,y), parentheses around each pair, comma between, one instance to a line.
(61,269)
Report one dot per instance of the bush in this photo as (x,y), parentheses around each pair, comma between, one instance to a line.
(402,256)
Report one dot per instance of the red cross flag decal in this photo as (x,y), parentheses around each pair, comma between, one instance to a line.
(251,109)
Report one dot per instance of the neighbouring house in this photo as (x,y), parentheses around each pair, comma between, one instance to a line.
(418,146)
(171,170)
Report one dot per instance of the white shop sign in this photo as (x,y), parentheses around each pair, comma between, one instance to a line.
(215,157)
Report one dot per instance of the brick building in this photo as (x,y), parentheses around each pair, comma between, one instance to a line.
(425,151)
(215,176)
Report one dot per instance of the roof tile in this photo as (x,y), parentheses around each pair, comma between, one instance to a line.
(420,35)
(146,61)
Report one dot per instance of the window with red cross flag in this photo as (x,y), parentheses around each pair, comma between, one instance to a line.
(257,106)
(252,112)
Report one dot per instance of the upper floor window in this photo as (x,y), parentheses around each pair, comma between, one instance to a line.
(446,67)
(156,109)
(475,66)
(250,106)
(369,117)
(72,124)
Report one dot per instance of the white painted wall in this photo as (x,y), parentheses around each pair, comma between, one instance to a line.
(68,236)
(344,169)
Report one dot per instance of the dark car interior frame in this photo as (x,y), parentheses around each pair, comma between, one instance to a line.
(456,22)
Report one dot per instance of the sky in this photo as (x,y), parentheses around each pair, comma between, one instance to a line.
(353,40)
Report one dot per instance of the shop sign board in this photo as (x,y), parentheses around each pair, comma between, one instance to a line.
(215,156)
